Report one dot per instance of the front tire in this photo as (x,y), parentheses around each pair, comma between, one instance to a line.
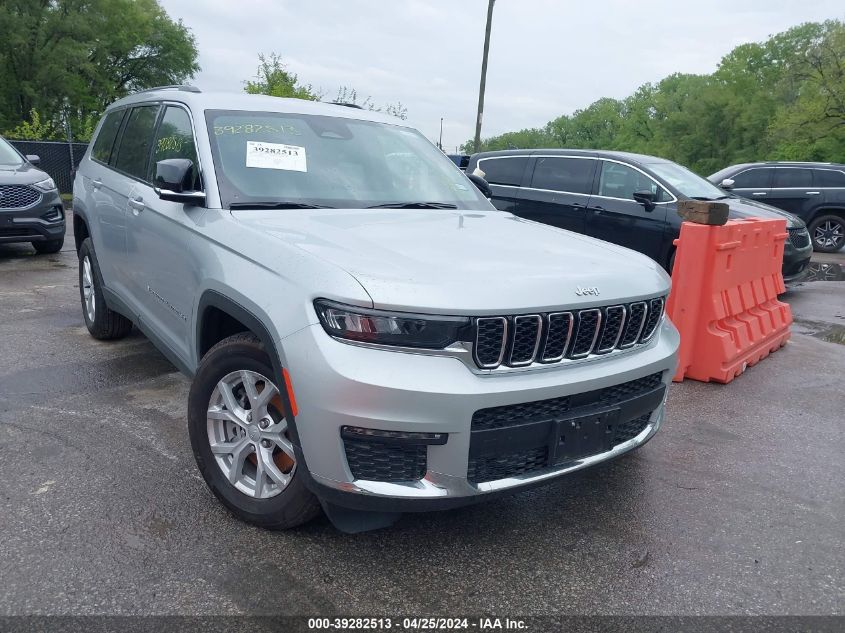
(828,233)
(240,438)
(46,248)
(102,323)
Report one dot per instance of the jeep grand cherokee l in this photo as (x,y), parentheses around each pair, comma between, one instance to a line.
(627,199)
(30,207)
(365,332)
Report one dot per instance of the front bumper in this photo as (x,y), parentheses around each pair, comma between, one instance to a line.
(36,223)
(796,259)
(338,385)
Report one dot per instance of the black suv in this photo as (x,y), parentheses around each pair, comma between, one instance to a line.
(815,192)
(30,207)
(627,199)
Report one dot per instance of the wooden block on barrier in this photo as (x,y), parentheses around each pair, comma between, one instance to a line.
(703,211)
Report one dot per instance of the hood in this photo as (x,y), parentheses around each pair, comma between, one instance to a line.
(464,262)
(24,174)
(741,208)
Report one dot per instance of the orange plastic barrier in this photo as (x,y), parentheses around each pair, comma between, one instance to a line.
(724,298)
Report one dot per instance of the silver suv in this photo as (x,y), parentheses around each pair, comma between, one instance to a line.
(365,332)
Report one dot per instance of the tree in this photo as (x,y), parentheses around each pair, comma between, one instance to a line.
(68,59)
(779,99)
(274,79)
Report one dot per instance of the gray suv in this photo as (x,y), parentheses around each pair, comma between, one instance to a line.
(366,334)
(31,209)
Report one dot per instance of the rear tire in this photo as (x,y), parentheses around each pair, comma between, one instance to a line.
(46,248)
(827,233)
(241,427)
(102,323)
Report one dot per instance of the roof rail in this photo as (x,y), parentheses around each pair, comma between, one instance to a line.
(347,105)
(182,87)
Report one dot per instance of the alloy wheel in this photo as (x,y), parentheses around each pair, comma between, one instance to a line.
(88,293)
(829,234)
(248,434)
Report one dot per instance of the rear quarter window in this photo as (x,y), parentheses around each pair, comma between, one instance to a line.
(505,170)
(829,178)
(104,142)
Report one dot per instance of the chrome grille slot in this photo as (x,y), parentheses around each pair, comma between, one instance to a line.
(525,340)
(558,334)
(490,337)
(589,322)
(634,324)
(611,330)
(655,311)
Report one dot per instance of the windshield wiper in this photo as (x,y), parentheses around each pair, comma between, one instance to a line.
(414,205)
(706,199)
(277,205)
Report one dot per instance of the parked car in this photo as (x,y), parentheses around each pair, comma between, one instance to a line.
(365,334)
(461,160)
(31,209)
(815,192)
(627,199)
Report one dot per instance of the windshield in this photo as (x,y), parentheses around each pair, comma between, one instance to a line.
(270,157)
(8,155)
(686,182)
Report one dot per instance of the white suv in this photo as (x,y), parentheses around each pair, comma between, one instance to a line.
(365,332)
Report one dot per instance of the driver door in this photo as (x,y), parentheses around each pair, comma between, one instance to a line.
(614,216)
(162,241)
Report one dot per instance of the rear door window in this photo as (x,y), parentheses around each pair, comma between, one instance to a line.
(759,178)
(828,178)
(105,139)
(133,154)
(571,175)
(786,177)
(504,171)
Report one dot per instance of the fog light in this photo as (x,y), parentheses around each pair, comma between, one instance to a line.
(398,437)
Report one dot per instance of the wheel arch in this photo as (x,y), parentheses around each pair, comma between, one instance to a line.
(826,209)
(80,230)
(212,305)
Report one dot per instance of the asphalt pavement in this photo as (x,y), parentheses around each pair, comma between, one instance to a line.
(736,506)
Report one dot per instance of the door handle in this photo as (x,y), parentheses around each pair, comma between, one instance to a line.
(759,193)
(577,205)
(813,193)
(97,183)
(598,210)
(137,205)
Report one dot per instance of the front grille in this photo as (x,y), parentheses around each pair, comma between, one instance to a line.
(554,408)
(523,438)
(800,238)
(382,461)
(508,465)
(18,196)
(631,429)
(520,340)
(17,233)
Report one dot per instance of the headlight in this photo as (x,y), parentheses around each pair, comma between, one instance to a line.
(45,185)
(390,328)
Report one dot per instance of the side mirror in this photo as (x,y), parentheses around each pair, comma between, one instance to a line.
(173,181)
(482,185)
(646,198)
(727,183)
(34,159)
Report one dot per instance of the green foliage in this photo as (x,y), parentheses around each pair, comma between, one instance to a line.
(274,79)
(68,59)
(779,99)
(32,130)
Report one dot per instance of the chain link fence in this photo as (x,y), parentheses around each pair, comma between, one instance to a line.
(58,158)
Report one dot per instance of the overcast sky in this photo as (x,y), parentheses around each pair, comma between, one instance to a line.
(546,57)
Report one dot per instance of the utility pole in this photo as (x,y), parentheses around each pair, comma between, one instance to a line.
(483,85)
(440,142)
